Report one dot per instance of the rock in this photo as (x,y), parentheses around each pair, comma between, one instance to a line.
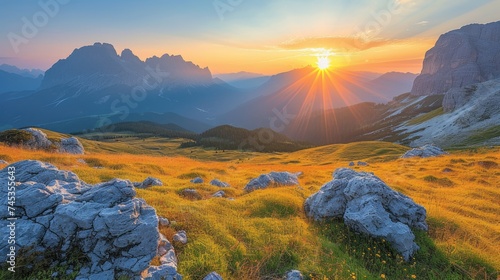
(191,194)
(220,184)
(81,160)
(362,163)
(3,162)
(369,206)
(164,221)
(213,276)
(180,237)
(351,163)
(40,141)
(425,151)
(460,58)
(197,180)
(294,275)
(71,146)
(273,178)
(148,182)
(219,194)
(117,232)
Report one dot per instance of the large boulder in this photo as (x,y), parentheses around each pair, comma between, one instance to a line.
(369,206)
(71,146)
(425,152)
(460,58)
(117,232)
(273,179)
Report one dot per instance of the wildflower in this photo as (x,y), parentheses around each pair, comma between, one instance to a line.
(382,276)
(413,276)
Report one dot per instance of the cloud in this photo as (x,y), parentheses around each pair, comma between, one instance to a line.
(349,44)
(424,22)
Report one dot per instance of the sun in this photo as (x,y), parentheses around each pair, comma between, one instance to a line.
(323,63)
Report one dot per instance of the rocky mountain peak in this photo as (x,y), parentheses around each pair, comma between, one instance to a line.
(460,58)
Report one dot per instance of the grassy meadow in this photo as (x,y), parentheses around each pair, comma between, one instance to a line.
(262,234)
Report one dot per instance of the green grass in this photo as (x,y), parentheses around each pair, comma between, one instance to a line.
(440,181)
(482,135)
(425,117)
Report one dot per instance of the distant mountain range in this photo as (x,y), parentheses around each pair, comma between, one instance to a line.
(13,79)
(95,87)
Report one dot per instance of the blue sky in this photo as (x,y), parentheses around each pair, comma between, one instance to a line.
(252,35)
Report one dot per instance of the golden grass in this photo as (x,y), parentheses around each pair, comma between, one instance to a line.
(242,237)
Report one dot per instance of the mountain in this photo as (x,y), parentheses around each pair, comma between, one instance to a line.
(244,80)
(302,92)
(460,58)
(15,82)
(99,66)
(29,73)
(228,137)
(95,86)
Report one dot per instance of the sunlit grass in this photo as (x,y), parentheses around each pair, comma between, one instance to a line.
(265,233)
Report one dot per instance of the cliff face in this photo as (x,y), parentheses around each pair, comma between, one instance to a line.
(460,58)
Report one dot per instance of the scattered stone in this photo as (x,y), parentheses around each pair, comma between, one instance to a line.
(219,194)
(487,164)
(213,276)
(197,180)
(164,221)
(81,160)
(181,237)
(369,206)
(191,194)
(117,232)
(294,275)
(425,151)
(148,182)
(218,183)
(447,170)
(362,163)
(3,162)
(273,178)
(351,163)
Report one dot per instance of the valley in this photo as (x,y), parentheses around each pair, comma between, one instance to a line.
(265,233)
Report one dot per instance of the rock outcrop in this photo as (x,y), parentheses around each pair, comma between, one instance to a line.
(369,206)
(40,141)
(56,210)
(425,152)
(460,58)
(273,179)
(218,183)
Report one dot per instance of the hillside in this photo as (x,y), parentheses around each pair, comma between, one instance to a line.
(267,232)
(227,137)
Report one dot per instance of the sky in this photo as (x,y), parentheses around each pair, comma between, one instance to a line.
(260,36)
